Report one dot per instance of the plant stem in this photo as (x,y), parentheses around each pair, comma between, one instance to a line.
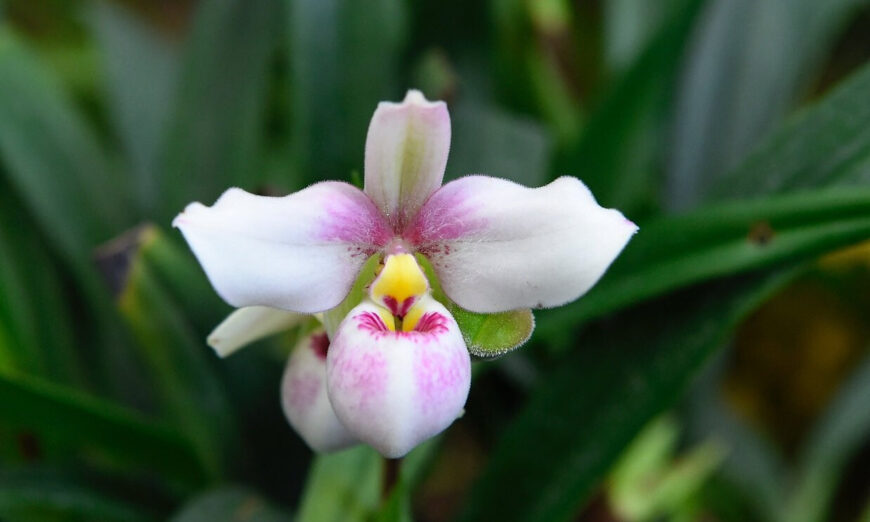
(391,477)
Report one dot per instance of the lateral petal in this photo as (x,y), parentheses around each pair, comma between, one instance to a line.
(250,324)
(499,246)
(299,252)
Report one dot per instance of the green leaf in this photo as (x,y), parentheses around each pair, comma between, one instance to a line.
(615,155)
(29,284)
(347,486)
(838,436)
(629,26)
(343,60)
(825,144)
(29,496)
(754,465)
(584,413)
(486,335)
(730,94)
(141,74)
(489,140)
(178,362)
(342,487)
(397,506)
(96,425)
(230,504)
(53,160)
(673,252)
(65,179)
(176,269)
(215,136)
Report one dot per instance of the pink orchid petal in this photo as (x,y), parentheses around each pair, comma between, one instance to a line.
(300,252)
(393,390)
(305,400)
(499,246)
(406,153)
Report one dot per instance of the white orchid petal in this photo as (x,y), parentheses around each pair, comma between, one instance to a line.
(499,246)
(406,153)
(249,324)
(394,390)
(300,252)
(305,400)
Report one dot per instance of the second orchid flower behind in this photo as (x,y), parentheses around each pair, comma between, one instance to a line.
(393,369)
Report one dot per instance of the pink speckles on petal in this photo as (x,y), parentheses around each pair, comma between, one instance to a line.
(361,375)
(302,391)
(440,376)
(448,214)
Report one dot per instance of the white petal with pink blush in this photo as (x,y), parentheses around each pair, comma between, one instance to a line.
(300,252)
(305,400)
(395,389)
(497,246)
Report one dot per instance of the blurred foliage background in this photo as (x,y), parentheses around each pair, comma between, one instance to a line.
(718,372)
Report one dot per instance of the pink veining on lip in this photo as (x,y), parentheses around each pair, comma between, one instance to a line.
(371,321)
(432,322)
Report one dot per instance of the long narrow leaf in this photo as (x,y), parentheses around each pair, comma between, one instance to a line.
(97,425)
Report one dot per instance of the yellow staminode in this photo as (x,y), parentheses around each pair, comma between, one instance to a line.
(388,319)
(413,317)
(401,279)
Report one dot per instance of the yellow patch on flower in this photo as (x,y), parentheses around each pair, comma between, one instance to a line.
(400,284)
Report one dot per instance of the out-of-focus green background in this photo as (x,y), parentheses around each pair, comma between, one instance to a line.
(719,371)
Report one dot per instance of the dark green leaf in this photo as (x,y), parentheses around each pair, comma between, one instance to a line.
(29,285)
(182,277)
(230,504)
(487,140)
(673,252)
(53,160)
(582,415)
(140,70)
(614,155)
(28,496)
(343,61)
(216,128)
(749,63)
(178,361)
(840,433)
(828,143)
(96,425)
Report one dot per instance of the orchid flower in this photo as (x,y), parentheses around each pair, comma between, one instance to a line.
(396,370)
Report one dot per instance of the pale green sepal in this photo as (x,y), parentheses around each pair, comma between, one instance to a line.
(332,318)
